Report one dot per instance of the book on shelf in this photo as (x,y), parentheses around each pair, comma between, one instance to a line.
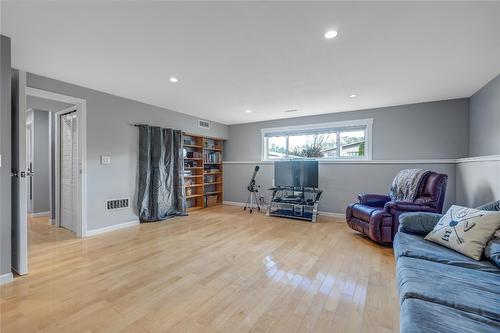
(211,170)
(212,157)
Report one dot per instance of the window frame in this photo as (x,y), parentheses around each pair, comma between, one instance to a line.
(335,126)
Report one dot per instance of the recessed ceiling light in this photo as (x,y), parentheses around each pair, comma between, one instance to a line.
(248,111)
(330,34)
(353,95)
(173,79)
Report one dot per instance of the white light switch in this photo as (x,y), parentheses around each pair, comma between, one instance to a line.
(105,159)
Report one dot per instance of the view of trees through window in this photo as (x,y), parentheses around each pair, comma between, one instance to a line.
(317,145)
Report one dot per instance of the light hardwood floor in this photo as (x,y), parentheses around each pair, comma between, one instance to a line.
(217,270)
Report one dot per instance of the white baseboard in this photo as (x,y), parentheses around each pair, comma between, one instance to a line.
(6,278)
(242,204)
(41,214)
(52,221)
(264,208)
(114,227)
(330,214)
(235,203)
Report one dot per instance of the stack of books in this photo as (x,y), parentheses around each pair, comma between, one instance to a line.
(213,157)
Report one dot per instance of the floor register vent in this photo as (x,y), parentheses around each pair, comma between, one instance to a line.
(117,204)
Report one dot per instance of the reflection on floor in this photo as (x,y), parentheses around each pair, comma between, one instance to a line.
(217,270)
(42,235)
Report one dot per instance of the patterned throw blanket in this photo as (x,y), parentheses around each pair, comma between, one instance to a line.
(406,185)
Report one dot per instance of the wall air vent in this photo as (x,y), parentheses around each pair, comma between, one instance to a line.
(204,124)
(117,204)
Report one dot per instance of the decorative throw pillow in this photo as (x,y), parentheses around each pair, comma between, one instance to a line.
(465,230)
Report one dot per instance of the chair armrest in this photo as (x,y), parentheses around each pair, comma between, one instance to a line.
(418,223)
(374,200)
(406,206)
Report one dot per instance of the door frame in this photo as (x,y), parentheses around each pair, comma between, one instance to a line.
(80,105)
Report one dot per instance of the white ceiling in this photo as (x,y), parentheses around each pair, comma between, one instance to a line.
(263,56)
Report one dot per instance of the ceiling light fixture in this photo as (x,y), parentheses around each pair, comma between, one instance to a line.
(248,111)
(173,79)
(353,95)
(330,34)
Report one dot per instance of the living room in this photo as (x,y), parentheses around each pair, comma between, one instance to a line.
(251,166)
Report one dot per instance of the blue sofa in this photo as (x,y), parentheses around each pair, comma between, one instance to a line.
(441,290)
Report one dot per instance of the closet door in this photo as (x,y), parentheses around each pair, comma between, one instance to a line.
(69,171)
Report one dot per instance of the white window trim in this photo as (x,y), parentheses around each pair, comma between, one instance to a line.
(338,124)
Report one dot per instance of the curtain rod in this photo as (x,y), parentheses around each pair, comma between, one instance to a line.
(138,125)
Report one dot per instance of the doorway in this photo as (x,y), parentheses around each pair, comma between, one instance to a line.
(69,154)
(51,140)
(53,165)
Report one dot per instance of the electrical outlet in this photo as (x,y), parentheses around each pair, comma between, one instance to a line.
(105,159)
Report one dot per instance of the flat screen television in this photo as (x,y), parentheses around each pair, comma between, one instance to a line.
(298,173)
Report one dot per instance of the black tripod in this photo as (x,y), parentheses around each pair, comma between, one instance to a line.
(253,189)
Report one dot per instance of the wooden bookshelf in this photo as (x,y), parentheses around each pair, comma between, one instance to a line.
(203,171)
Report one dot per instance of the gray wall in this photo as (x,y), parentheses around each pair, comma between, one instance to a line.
(341,182)
(478,182)
(415,131)
(435,130)
(484,121)
(5,150)
(41,162)
(109,133)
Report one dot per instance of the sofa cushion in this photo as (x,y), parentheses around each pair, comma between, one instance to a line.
(465,230)
(492,206)
(419,316)
(492,251)
(363,212)
(406,245)
(418,223)
(460,288)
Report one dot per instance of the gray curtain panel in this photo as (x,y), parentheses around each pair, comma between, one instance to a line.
(161,169)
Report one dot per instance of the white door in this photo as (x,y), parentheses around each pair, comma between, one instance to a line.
(19,175)
(69,170)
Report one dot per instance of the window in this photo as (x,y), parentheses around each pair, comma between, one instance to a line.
(328,141)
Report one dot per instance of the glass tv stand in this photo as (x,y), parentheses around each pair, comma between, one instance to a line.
(294,202)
